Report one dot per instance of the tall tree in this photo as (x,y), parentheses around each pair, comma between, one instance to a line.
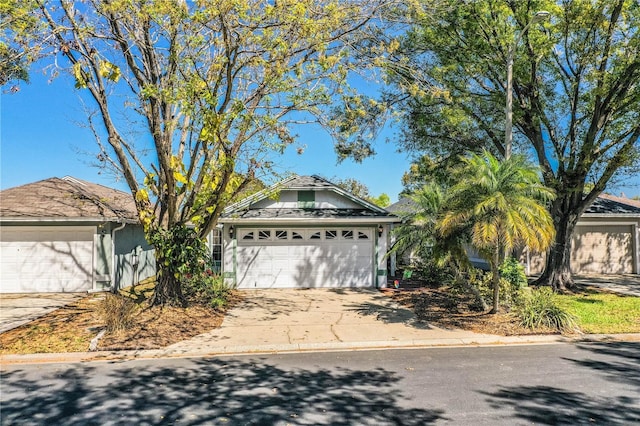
(16,24)
(502,203)
(194,98)
(576,88)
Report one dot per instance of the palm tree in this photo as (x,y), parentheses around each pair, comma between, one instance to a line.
(502,203)
(418,230)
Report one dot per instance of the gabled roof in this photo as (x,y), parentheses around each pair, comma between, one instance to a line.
(242,210)
(66,198)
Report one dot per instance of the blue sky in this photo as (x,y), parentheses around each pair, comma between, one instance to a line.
(42,137)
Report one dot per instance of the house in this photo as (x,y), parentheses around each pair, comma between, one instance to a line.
(606,239)
(68,235)
(304,232)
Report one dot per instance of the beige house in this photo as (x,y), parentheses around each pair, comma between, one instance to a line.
(606,239)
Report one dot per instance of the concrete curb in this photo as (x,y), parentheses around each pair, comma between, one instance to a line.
(475,341)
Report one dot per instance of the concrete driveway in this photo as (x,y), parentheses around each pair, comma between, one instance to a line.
(628,284)
(288,319)
(18,309)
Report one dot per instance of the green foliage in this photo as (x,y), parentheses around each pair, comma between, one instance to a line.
(381,200)
(500,205)
(117,312)
(207,289)
(513,271)
(217,93)
(575,105)
(17,23)
(540,308)
(180,251)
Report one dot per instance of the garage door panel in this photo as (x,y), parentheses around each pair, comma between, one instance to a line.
(46,259)
(313,262)
(602,249)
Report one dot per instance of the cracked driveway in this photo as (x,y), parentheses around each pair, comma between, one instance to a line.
(307,317)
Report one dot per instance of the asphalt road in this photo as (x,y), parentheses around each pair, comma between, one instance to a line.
(560,384)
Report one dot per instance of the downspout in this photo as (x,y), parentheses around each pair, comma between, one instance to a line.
(636,247)
(113,255)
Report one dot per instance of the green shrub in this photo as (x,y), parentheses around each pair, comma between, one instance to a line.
(207,289)
(513,271)
(539,308)
(117,312)
(512,281)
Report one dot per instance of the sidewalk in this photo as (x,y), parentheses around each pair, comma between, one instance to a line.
(269,321)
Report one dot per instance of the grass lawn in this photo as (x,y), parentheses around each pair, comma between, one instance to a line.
(603,312)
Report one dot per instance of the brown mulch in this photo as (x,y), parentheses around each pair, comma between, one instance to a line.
(71,328)
(446,308)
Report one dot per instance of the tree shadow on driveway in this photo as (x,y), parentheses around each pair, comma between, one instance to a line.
(207,391)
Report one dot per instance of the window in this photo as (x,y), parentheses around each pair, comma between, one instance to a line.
(296,236)
(264,235)
(306,199)
(363,235)
(248,236)
(216,250)
(347,235)
(281,235)
(315,236)
(330,235)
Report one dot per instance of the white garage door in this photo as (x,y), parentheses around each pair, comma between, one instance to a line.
(602,249)
(46,259)
(289,258)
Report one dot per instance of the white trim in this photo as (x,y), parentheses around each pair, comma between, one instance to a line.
(357,221)
(611,215)
(636,247)
(581,223)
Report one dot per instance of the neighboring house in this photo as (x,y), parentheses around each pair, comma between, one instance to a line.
(304,232)
(68,235)
(606,239)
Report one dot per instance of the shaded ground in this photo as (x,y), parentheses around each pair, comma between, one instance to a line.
(443,307)
(71,328)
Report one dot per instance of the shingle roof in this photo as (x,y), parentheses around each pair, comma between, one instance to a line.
(243,210)
(307,213)
(610,204)
(67,197)
(604,204)
(308,182)
(402,206)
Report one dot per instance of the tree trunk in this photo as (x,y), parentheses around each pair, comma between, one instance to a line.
(495,279)
(557,270)
(168,290)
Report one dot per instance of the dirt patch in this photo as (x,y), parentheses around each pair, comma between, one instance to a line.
(71,328)
(445,308)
